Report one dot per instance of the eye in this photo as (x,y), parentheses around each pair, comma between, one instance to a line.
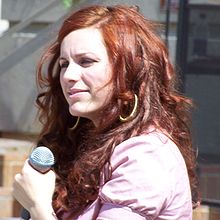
(86,62)
(64,64)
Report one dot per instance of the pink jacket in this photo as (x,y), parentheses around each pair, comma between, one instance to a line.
(148,181)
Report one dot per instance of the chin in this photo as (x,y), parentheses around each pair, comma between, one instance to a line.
(76,112)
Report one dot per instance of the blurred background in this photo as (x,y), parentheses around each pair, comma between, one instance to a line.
(191,30)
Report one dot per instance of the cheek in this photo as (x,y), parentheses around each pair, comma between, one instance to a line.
(105,94)
(98,77)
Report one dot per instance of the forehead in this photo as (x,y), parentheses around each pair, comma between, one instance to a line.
(83,41)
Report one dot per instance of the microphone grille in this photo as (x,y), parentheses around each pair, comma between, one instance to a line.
(42,159)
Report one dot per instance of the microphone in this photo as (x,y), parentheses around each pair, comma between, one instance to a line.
(41,159)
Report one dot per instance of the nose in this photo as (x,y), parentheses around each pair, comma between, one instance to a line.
(72,72)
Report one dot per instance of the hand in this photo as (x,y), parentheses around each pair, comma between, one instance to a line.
(33,189)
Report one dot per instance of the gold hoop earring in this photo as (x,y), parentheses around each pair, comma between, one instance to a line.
(133,111)
(76,124)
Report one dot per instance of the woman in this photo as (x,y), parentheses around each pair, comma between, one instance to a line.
(113,117)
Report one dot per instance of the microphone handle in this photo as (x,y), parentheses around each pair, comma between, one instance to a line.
(25,215)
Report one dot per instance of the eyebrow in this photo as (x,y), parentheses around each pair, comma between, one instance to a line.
(78,55)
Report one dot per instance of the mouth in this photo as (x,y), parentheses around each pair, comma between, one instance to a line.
(73,92)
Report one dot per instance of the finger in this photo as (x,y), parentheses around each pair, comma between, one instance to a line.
(19,192)
(17,177)
(17,182)
(27,168)
(52,174)
(16,186)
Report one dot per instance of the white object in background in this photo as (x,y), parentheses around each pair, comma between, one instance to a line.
(4,25)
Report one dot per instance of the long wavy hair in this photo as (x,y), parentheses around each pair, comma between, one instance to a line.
(141,66)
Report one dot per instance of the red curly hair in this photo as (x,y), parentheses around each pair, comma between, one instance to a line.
(140,66)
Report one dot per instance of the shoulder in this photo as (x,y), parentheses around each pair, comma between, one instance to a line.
(149,148)
(148,172)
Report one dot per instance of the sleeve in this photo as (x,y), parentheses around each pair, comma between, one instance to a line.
(139,185)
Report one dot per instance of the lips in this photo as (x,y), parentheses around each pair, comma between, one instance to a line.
(76,91)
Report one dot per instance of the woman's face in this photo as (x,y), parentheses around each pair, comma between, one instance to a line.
(85,73)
